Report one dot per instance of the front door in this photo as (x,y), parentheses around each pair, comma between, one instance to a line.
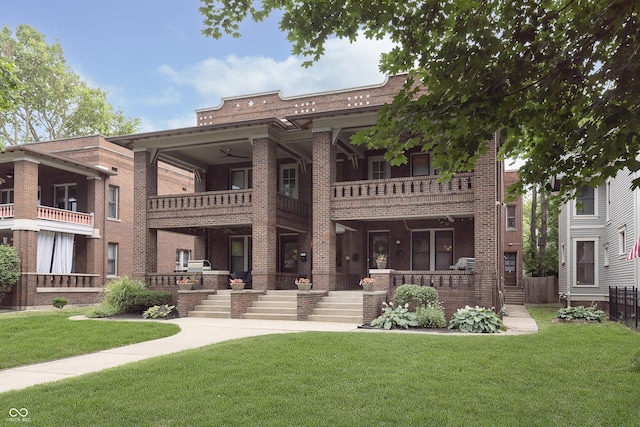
(378,245)
(240,256)
(289,253)
(510,269)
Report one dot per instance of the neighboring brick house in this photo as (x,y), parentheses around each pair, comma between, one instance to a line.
(596,232)
(512,242)
(67,207)
(281,193)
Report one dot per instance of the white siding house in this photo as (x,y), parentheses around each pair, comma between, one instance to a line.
(596,232)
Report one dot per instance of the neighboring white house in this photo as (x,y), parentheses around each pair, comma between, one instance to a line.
(596,232)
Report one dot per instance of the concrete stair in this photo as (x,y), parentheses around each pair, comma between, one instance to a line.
(513,296)
(339,306)
(216,306)
(274,305)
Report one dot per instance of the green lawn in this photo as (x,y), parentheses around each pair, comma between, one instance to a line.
(38,336)
(566,375)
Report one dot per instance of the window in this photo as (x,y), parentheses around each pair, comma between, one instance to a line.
(112,209)
(622,240)
(241,179)
(182,259)
(289,181)
(585,202)
(378,168)
(585,263)
(288,253)
(240,257)
(431,249)
(608,200)
(606,255)
(6,196)
(112,259)
(511,217)
(420,165)
(65,197)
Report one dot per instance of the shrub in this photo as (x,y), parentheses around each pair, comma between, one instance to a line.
(415,296)
(141,300)
(158,311)
(431,316)
(118,294)
(395,317)
(476,319)
(102,310)
(59,302)
(9,267)
(581,313)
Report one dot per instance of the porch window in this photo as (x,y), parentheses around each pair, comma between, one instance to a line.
(240,256)
(289,253)
(585,202)
(241,179)
(420,165)
(65,197)
(112,259)
(182,259)
(378,245)
(511,217)
(431,249)
(378,168)
(6,196)
(585,263)
(289,180)
(112,210)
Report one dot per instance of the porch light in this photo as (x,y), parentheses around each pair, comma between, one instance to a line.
(10,175)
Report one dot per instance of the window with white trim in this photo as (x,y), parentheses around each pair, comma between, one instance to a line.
(511,217)
(289,180)
(608,200)
(65,197)
(112,259)
(585,262)
(241,179)
(182,259)
(622,240)
(606,255)
(379,168)
(112,205)
(586,201)
(6,196)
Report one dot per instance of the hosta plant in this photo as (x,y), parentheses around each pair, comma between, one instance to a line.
(158,311)
(476,319)
(395,317)
(581,313)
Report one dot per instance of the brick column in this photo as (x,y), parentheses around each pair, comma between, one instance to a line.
(486,233)
(265,184)
(25,230)
(145,241)
(96,204)
(324,229)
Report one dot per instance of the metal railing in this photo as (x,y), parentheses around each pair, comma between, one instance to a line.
(623,305)
(435,279)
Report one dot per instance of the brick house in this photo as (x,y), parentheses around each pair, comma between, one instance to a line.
(67,207)
(280,192)
(512,243)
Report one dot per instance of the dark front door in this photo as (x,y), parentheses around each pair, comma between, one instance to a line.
(510,269)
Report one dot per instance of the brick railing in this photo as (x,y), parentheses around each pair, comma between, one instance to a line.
(211,199)
(290,205)
(73,280)
(61,215)
(390,188)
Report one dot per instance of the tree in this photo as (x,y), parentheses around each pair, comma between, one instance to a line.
(53,101)
(9,267)
(540,234)
(9,85)
(560,79)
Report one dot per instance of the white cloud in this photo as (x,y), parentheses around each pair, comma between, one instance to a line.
(344,65)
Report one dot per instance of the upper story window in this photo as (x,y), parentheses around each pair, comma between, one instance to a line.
(6,196)
(379,168)
(182,259)
(585,202)
(114,193)
(65,197)
(622,240)
(289,180)
(608,200)
(420,165)
(511,217)
(241,179)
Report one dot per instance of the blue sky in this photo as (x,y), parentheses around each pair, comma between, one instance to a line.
(155,64)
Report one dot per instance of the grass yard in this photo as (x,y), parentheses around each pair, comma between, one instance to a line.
(38,336)
(567,375)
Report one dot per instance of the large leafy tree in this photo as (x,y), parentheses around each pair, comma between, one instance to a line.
(560,79)
(53,102)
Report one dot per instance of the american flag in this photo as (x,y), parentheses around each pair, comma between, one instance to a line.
(635,251)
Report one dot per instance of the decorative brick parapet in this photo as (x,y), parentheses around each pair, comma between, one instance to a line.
(187,300)
(307,301)
(242,300)
(215,279)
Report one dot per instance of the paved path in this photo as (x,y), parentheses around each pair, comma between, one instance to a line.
(196,332)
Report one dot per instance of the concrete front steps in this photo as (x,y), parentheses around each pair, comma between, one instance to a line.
(513,295)
(215,306)
(274,305)
(339,306)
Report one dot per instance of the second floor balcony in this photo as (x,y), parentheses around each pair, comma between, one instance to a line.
(53,219)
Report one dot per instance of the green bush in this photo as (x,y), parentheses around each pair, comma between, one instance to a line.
(431,316)
(395,317)
(102,310)
(158,311)
(581,313)
(9,267)
(118,294)
(476,319)
(415,296)
(59,302)
(141,300)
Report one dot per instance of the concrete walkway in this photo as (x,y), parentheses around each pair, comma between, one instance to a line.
(196,332)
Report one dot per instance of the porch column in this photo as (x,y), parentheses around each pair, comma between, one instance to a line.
(25,229)
(96,204)
(487,236)
(145,240)
(263,201)
(324,229)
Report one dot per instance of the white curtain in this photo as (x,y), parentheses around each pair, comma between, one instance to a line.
(45,251)
(63,254)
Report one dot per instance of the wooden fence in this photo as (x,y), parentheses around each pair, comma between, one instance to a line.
(540,290)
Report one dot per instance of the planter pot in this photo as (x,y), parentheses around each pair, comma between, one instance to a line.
(369,287)
(381,265)
(186,286)
(304,286)
(237,286)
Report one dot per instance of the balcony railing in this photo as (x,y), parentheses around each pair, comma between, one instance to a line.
(53,214)
(423,185)
(211,199)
